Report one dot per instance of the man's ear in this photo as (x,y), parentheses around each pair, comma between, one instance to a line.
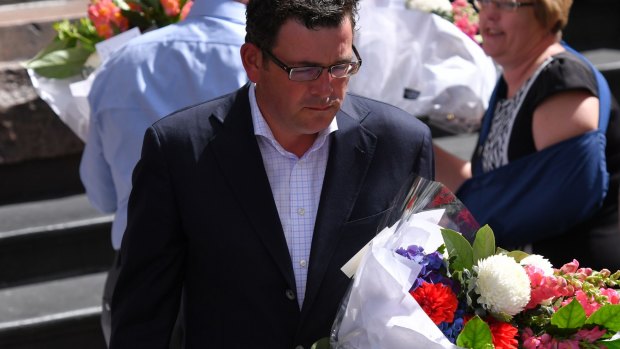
(252,59)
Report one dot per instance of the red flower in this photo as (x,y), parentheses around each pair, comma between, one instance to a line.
(504,335)
(437,300)
(444,197)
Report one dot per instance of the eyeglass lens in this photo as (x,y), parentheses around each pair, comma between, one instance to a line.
(509,5)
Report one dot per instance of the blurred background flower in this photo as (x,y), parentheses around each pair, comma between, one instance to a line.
(461,13)
(75,41)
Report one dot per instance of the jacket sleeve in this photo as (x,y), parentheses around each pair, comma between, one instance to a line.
(147,295)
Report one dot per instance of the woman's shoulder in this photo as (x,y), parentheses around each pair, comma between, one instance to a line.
(566,71)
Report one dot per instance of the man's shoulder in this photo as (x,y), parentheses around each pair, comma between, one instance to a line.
(217,108)
(379,115)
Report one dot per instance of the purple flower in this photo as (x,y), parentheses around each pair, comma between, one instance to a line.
(432,271)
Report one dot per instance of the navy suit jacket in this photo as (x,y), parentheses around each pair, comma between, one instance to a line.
(202,223)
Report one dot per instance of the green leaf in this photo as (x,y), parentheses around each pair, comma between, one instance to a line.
(55,45)
(475,335)
(517,255)
(571,316)
(484,244)
(615,344)
(607,316)
(61,63)
(322,343)
(458,248)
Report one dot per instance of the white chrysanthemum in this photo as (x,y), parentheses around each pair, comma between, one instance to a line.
(540,262)
(503,285)
(430,5)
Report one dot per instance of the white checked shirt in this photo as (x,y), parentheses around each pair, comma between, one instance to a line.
(296,185)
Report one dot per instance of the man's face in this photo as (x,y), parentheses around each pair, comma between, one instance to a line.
(299,110)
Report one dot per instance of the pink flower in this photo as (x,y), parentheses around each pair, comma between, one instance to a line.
(185,10)
(589,304)
(544,287)
(611,294)
(591,335)
(568,344)
(570,267)
(465,18)
(171,7)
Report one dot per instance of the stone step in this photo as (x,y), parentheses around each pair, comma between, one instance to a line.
(40,179)
(55,255)
(26,27)
(58,314)
(50,239)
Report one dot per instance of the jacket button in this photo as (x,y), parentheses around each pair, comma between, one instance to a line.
(290,294)
(299,347)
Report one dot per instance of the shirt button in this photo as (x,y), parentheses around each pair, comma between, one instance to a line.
(302,263)
(290,294)
(301,211)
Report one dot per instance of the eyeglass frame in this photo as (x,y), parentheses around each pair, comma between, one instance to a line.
(290,70)
(508,6)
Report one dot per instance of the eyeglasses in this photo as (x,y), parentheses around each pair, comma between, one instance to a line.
(341,70)
(504,5)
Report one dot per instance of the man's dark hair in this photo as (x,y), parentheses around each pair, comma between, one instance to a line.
(266,17)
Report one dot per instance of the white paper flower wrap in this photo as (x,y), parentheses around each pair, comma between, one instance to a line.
(380,312)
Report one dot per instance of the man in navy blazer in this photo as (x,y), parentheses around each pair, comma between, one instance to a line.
(244,208)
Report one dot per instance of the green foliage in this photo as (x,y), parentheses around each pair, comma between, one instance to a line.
(570,316)
(517,255)
(75,41)
(322,343)
(607,316)
(615,344)
(66,54)
(475,335)
(484,244)
(460,251)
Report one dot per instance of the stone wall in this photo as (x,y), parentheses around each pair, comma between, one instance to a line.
(29,129)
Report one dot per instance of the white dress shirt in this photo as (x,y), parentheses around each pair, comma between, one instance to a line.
(296,184)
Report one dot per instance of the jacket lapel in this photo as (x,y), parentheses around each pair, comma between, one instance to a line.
(236,150)
(343,179)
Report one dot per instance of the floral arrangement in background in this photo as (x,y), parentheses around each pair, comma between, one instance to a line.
(74,44)
(483,297)
(459,12)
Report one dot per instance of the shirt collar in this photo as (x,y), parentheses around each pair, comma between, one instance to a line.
(262,129)
(227,9)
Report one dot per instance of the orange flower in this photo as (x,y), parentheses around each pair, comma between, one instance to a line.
(107,18)
(171,7)
(437,300)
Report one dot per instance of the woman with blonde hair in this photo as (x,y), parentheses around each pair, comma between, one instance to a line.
(547,164)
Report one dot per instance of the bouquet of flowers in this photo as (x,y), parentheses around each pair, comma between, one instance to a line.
(62,73)
(448,84)
(74,44)
(422,285)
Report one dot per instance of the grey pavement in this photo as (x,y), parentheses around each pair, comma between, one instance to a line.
(462,145)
